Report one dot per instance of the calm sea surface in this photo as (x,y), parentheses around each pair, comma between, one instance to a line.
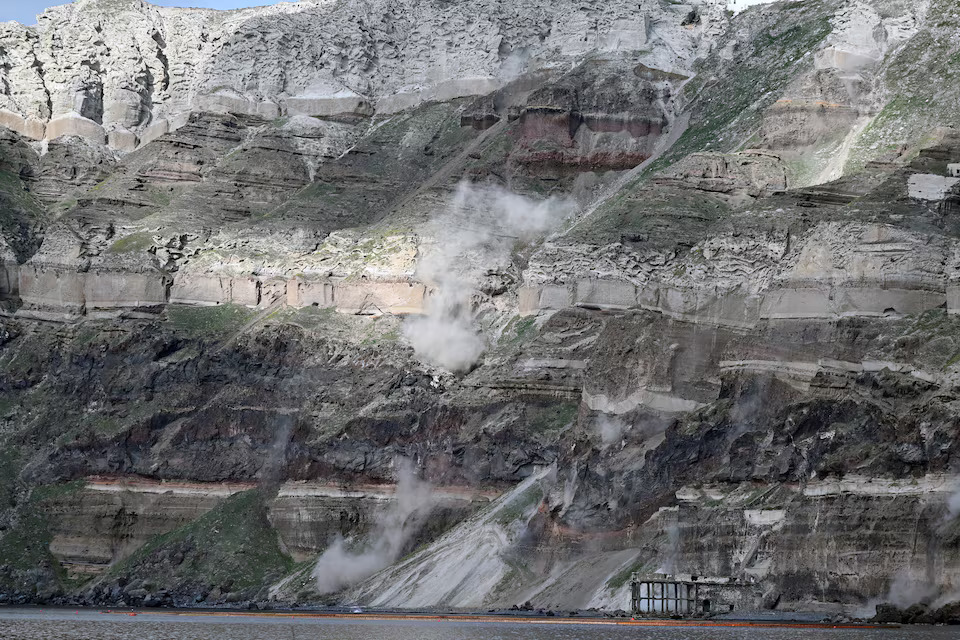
(45,624)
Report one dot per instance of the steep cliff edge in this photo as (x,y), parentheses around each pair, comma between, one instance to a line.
(123,71)
(633,287)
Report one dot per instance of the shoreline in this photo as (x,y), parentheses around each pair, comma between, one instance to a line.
(466,617)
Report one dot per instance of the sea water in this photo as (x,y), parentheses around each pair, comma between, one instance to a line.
(89,624)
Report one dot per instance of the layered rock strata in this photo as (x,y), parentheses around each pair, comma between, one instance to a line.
(122,72)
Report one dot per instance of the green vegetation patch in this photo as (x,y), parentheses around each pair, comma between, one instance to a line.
(20,216)
(208,321)
(232,546)
(9,472)
(159,197)
(318,190)
(920,102)
(518,507)
(138,241)
(551,417)
(25,546)
(104,425)
(310,317)
(376,335)
(520,329)
(50,492)
(623,576)
(656,217)
(930,339)
(729,101)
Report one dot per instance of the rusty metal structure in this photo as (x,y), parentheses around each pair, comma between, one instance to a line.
(661,594)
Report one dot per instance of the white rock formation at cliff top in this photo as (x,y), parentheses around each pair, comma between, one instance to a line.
(122,70)
(739,5)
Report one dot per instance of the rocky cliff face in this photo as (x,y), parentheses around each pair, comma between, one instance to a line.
(124,71)
(632,286)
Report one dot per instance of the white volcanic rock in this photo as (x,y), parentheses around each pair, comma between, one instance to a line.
(722,263)
(739,5)
(839,253)
(833,270)
(131,67)
(862,35)
(752,173)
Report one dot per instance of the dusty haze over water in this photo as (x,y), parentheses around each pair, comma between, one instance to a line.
(86,624)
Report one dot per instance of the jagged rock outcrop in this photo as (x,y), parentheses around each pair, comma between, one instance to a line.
(120,71)
(599,116)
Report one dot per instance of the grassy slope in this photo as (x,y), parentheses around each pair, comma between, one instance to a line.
(923,81)
(726,100)
(208,322)
(232,547)
(26,564)
(21,216)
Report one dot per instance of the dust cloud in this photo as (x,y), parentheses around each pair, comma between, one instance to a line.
(670,550)
(610,429)
(906,591)
(273,465)
(953,507)
(474,235)
(343,565)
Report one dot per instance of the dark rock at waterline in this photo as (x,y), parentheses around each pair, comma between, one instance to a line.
(948,614)
(888,613)
(918,614)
